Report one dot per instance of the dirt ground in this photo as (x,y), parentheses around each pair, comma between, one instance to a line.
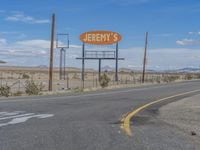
(15,77)
(184,114)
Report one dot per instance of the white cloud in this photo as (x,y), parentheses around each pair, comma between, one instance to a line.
(16,35)
(21,17)
(194,33)
(186,42)
(75,46)
(3,41)
(33,52)
(43,44)
(36,52)
(160,59)
(22,53)
(24,48)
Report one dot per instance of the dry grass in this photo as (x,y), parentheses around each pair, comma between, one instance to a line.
(15,77)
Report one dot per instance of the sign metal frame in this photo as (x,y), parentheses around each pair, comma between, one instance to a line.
(84,56)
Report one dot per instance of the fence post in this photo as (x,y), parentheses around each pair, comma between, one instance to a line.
(67,81)
(19,86)
(96,82)
(93,80)
(1,78)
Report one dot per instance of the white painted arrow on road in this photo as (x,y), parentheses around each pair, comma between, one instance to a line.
(16,117)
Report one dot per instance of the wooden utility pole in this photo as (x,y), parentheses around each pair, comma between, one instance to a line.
(51,54)
(145,58)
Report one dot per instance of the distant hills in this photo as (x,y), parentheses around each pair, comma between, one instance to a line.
(105,68)
(182,70)
(185,70)
(42,67)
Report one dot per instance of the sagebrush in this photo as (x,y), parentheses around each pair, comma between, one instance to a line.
(5,91)
(32,88)
(104,80)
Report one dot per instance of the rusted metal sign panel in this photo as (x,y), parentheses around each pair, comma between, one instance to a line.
(100,37)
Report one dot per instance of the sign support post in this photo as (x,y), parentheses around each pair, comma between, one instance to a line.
(116,67)
(99,69)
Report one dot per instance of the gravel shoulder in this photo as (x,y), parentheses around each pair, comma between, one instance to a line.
(185,115)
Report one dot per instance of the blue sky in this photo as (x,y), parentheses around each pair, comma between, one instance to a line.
(173,26)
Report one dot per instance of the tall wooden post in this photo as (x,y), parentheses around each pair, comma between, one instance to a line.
(145,58)
(51,54)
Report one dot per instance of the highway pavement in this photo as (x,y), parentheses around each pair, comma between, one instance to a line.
(94,121)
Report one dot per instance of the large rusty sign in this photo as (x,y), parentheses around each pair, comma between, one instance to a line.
(100,37)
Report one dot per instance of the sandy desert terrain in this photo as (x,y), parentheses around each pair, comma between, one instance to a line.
(15,77)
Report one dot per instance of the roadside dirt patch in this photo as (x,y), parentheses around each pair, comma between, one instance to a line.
(185,115)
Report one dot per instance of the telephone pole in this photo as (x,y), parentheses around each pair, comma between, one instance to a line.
(145,58)
(51,53)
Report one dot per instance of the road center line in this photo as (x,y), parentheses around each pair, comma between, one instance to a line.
(125,126)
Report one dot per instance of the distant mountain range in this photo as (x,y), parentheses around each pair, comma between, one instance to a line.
(105,68)
(185,70)
(182,70)
(108,68)
(42,67)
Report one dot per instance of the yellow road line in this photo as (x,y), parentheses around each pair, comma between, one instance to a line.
(126,120)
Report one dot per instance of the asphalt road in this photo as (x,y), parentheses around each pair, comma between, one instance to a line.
(91,121)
